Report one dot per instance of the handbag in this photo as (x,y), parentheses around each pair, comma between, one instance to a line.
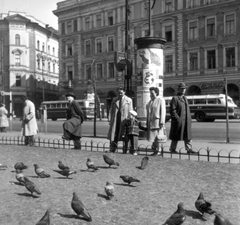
(162,135)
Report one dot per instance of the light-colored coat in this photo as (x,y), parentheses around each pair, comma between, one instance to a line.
(3,117)
(125,108)
(29,123)
(156,114)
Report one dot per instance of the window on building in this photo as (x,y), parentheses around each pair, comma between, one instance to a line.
(48,49)
(98,45)
(69,50)
(54,69)
(69,27)
(75,26)
(168,33)
(210,27)
(18,81)
(99,20)
(230,24)
(87,47)
(168,5)
(111,70)
(230,57)
(110,44)
(38,45)
(53,50)
(87,23)
(70,73)
(193,34)
(211,59)
(110,18)
(193,3)
(43,47)
(17,39)
(168,63)
(17,59)
(193,60)
(49,67)
(38,64)
(88,72)
(63,28)
(99,70)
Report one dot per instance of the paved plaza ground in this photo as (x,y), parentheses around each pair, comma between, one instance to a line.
(164,183)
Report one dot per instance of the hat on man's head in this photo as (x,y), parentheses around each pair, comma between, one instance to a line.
(182,85)
(24,97)
(134,113)
(70,94)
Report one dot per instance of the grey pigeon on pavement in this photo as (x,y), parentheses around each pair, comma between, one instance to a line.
(3,167)
(220,220)
(110,161)
(20,177)
(109,190)
(129,179)
(40,172)
(65,172)
(90,165)
(203,206)
(31,187)
(61,166)
(79,208)
(45,220)
(178,217)
(144,162)
(20,166)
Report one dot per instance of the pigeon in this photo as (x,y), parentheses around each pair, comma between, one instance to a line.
(79,208)
(20,177)
(20,166)
(45,220)
(144,162)
(110,161)
(128,179)
(31,187)
(65,172)
(203,206)
(61,166)
(90,165)
(219,220)
(178,217)
(109,190)
(40,172)
(3,167)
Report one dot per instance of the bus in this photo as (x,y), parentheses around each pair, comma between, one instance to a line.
(207,108)
(58,109)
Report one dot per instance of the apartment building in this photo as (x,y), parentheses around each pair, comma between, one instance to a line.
(29,60)
(202,47)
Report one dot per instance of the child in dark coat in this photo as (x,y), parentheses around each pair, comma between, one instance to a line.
(130,131)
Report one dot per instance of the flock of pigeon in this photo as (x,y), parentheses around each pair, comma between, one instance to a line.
(177,218)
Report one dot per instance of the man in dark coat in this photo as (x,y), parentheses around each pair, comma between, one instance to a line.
(181,123)
(72,128)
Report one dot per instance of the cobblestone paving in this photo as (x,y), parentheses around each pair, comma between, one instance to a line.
(164,183)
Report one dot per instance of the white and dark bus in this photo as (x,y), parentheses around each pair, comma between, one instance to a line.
(207,108)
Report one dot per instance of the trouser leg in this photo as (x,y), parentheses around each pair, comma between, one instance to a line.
(77,143)
(30,140)
(135,144)
(26,140)
(173,145)
(125,144)
(188,145)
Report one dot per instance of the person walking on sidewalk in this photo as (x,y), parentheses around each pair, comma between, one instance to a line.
(72,127)
(181,123)
(119,110)
(29,123)
(156,115)
(3,118)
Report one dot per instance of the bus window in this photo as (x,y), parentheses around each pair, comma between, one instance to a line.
(81,104)
(53,105)
(212,101)
(199,101)
(218,101)
(64,105)
(190,101)
(59,105)
(91,105)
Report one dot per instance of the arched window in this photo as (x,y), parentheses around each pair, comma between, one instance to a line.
(43,47)
(38,45)
(53,51)
(17,39)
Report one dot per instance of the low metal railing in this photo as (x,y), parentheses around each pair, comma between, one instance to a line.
(203,154)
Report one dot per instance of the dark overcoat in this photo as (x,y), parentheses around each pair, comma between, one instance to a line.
(178,120)
(75,118)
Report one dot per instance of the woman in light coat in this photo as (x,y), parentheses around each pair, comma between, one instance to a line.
(3,118)
(29,122)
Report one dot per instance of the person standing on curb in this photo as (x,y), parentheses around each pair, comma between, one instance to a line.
(156,115)
(119,110)
(72,127)
(29,123)
(181,122)
(3,118)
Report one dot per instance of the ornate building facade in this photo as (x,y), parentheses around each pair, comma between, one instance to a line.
(202,47)
(29,60)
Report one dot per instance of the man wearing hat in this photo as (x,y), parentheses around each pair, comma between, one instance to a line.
(72,127)
(181,122)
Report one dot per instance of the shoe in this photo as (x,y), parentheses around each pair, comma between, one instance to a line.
(156,153)
(190,151)
(173,151)
(134,153)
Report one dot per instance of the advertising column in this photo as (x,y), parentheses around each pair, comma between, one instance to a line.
(149,70)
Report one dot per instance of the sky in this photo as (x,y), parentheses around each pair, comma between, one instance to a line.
(40,9)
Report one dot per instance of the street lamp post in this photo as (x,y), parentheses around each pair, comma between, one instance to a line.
(43,86)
